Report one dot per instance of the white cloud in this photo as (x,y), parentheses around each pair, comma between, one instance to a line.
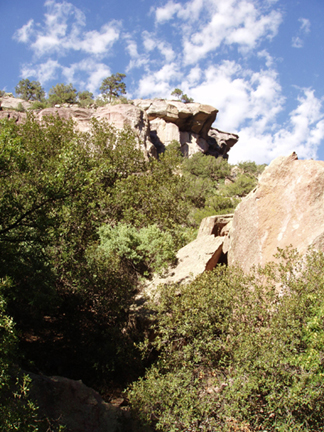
(158,84)
(43,72)
(94,73)
(167,12)
(232,22)
(268,58)
(298,41)
(303,134)
(24,33)
(136,60)
(305,25)
(150,43)
(100,42)
(62,31)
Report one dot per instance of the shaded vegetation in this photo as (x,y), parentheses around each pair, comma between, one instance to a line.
(84,217)
(238,352)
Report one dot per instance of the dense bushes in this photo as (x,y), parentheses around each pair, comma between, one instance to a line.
(55,184)
(83,218)
(239,353)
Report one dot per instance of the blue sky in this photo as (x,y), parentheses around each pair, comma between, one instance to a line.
(260,63)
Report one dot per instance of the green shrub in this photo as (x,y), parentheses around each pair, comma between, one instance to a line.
(85,98)
(20,107)
(55,184)
(243,185)
(100,102)
(239,352)
(251,168)
(16,411)
(206,166)
(216,204)
(40,105)
(148,249)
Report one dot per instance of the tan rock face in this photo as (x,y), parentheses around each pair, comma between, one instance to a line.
(119,116)
(192,117)
(12,102)
(163,133)
(214,225)
(17,116)
(286,208)
(156,124)
(192,143)
(81,116)
(193,259)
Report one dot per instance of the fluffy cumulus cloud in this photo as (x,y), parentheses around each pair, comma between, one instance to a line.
(159,83)
(302,133)
(43,72)
(62,32)
(93,70)
(230,22)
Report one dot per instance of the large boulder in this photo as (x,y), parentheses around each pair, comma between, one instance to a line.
(10,102)
(74,405)
(200,255)
(190,117)
(286,208)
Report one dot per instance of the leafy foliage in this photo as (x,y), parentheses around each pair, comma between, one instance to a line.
(85,98)
(54,184)
(148,249)
(204,167)
(241,187)
(239,352)
(16,411)
(113,86)
(155,194)
(62,93)
(30,90)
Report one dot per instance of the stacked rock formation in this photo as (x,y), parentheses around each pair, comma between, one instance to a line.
(156,123)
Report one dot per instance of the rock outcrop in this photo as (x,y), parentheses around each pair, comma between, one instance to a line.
(10,102)
(157,123)
(19,117)
(188,123)
(220,142)
(193,117)
(215,225)
(76,406)
(286,208)
(201,255)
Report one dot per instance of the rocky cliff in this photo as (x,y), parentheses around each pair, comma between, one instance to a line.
(157,123)
(285,209)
